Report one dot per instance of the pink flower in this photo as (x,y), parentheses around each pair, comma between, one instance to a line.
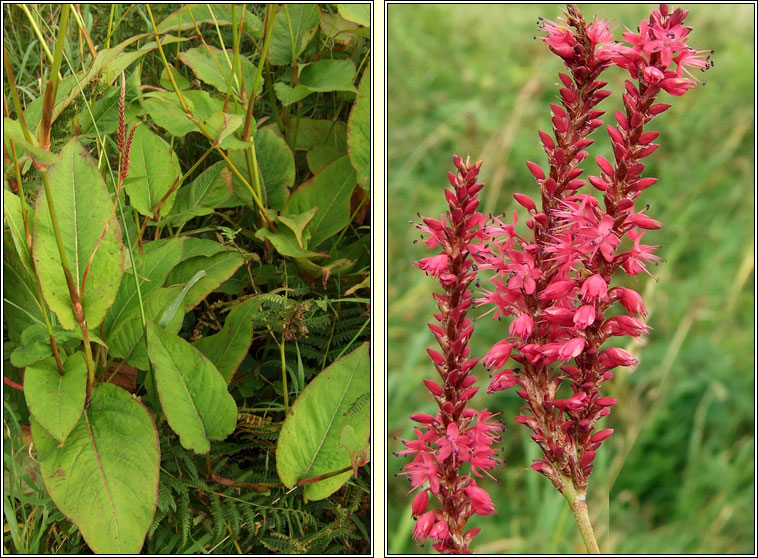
(424,525)
(584,316)
(434,265)
(498,354)
(480,500)
(571,348)
(502,380)
(594,288)
(420,503)
(522,326)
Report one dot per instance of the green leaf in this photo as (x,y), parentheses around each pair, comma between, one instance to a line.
(218,268)
(212,188)
(56,401)
(172,308)
(312,132)
(193,394)
(297,224)
(221,127)
(329,75)
(127,339)
(359,132)
(182,19)
(151,158)
(285,243)
(12,129)
(21,308)
(277,166)
(309,442)
(294,26)
(15,221)
(357,445)
(181,82)
(228,347)
(84,210)
(166,112)
(213,66)
(337,28)
(105,477)
(330,192)
(35,344)
(153,266)
(357,13)
(105,112)
(288,95)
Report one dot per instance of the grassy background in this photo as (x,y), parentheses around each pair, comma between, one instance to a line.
(678,474)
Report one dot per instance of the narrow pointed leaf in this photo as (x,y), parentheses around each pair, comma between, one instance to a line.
(192,392)
(105,477)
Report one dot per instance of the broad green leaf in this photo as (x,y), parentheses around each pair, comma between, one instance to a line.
(152,158)
(166,112)
(288,95)
(322,155)
(294,26)
(221,127)
(192,393)
(218,268)
(228,347)
(35,344)
(105,477)
(213,66)
(358,13)
(285,243)
(297,224)
(127,339)
(204,104)
(15,221)
(12,129)
(312,132)
(330,192)
(359,132)
(21,308)
(153,265)
(337,28)
(309,442)
(195,247)
(182,19)
(181,82)
(84,210)
(277,167)
(212,188)
(56,401)
(329,75)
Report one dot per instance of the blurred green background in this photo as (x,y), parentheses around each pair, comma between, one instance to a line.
(678,474)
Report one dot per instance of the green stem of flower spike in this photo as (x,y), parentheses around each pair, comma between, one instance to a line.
(578,503)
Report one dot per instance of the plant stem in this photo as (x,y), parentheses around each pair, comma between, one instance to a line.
(578,503)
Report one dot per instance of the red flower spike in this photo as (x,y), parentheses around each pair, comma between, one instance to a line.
(574,241)
(448,442)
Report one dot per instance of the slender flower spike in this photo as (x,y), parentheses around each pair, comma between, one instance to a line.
(555,282)
(459,438)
